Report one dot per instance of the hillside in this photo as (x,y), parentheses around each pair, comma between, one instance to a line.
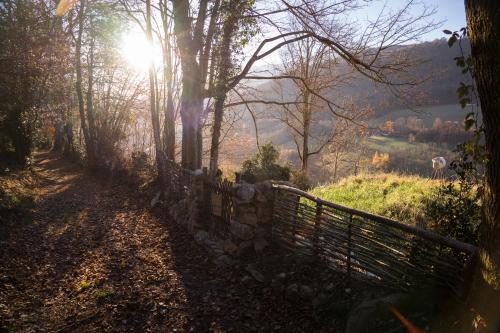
(436,99)
(437,71)
(387,194)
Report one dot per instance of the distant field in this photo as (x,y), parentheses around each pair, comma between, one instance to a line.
(408,157)
(388,144)
(388,194)
(451,112)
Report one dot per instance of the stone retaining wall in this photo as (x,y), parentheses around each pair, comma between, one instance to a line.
(250,226)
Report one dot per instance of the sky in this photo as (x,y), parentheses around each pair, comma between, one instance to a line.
(450,12)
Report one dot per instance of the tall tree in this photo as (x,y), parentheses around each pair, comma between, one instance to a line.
(311,123)
(195,44)
(232,11)
(33,61)
(168,82)
(483,21)
(153,103)
(89,143)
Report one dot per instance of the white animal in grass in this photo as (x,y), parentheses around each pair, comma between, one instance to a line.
(438,164)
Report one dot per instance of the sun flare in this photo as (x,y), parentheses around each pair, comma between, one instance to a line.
(138,52)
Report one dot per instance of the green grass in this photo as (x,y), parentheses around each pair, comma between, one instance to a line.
(104,293)
(85,285)
(384,144)
(388,194)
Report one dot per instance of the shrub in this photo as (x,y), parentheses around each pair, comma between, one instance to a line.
(139,160)
(380,160)
(455,209)
(454,212)
(301,180)
(264,166)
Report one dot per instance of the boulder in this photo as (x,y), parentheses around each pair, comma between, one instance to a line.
(244,247)
(259,245)
(223,260)
(292,292)
(263,231)
(264,212)
(229,247)
(242,209)
(245,193)
(264,191)
(255,273)
(201,236)
(198,172)
(248,219)
(240,230)
(306,292)
(155,200)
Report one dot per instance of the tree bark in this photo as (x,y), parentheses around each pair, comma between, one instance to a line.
(191,104)
(169,109)
(221,87)
(306,117)
(78,85)
(90,92)
(152,100)
(483,20)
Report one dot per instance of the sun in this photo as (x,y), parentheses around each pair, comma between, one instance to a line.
(138,52)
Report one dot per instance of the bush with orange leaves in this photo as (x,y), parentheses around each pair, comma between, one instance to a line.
(380,160)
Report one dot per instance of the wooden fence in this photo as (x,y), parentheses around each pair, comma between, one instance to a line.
(365,246)
(179,180)
(369,247)
(219,201)
(215,206)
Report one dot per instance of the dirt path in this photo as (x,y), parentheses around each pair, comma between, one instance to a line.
(91,258)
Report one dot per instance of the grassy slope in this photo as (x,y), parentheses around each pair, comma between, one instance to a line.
(387,194)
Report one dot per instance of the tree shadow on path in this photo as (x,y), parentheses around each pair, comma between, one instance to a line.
(91,258)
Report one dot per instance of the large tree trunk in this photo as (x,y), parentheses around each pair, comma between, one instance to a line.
(216,130)
(169,127)
(191,107)
(152,101)
(168,100)
(21,139)
(191,104)
(90,94)
(78,86)
(483,19)
(221,90)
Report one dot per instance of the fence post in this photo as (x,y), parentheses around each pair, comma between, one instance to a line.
(349,245)
(295,218)
(317,223)
(273,205)
(468,275)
